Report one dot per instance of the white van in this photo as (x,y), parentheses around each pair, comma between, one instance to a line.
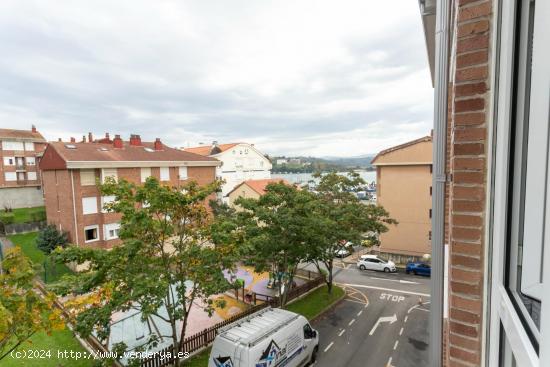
(268,338)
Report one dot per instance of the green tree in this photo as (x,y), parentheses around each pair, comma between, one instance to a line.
(278,230)
(23,311)
(49,238)
(344,217)
(168,259)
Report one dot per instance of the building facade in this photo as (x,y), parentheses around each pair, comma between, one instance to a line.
(404,181)
(490,64)
(251,189)
(20,181)
(240,162)
(71,171)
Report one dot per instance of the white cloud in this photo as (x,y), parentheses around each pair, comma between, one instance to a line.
(317,77)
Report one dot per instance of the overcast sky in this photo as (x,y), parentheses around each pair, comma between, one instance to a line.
(321,78)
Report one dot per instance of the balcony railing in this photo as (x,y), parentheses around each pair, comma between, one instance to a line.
(20,167)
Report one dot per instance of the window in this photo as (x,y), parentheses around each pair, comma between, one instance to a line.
(183,173)
(89,205)
(521,188)
(309,333)
(106,200)
(108,172)
(111,231)
(87,177)
(9,161)
(91,233)
(31,161)
(164,173)
(10,176)
(145,173)
(29,146)
(430,213)
(12,145)
(31,176)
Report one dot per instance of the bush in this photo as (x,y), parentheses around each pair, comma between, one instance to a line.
(50,238)
(38,216)
(7,218)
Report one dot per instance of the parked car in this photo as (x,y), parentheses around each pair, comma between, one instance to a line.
(374,262)
(343,252)
(270,337)
(418,268)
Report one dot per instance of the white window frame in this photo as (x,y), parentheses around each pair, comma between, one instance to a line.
(87,177)
(13,145)
(7,161)
(106,200)
(32,176)
(183,173)
(502,312)
(145,173)
(110,227)
(10,176)
(30,161)
(109,172)
(89,205)
(29,146)
(94,226)
(165,173)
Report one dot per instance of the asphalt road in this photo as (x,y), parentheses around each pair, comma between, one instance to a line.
(383,321)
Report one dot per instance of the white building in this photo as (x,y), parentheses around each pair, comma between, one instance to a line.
(240,162)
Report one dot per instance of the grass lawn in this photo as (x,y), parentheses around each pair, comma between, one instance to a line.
(60,340)
(309,306)
(27,242)
(24,215)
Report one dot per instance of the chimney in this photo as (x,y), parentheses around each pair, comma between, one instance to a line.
(135,140)
(90,138)
(83,138)
(117,142)
(59,140)
(73,140)
(158,144)
(107,136)
(33,128)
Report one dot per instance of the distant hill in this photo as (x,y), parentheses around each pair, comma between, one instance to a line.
(296,164)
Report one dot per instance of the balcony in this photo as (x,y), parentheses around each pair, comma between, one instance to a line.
(20,167)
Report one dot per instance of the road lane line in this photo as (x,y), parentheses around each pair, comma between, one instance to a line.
(351,322)
(341,332)
(406,318)
(387,289)
(395,345)
(328,346)
(389,363)
(401,331)
(359,313)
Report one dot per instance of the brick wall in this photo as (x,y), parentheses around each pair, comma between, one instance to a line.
(467,147)
(59,199)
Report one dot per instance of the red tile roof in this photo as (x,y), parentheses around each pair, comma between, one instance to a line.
(207,149)
(66,152)
(260,185)
(21,134)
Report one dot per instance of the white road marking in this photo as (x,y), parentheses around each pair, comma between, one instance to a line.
(417,306)
(387,289)
(401,331)
(366,305)
(359,313)
(395,345)
(390,319)
(396,280)
(389,362)
(354,301)
(351,322)
(328,346)
(406,318)
(341,332)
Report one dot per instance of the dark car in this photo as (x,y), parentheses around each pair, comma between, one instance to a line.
(419,269)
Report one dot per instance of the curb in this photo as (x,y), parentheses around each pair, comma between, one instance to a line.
(329,307)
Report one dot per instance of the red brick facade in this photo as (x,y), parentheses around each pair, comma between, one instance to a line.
(469,99)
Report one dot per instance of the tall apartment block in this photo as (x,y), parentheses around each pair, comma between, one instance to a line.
(20,152)
(70,172)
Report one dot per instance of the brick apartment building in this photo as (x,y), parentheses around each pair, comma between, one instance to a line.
(490,64)
(70,171)
(20,152)
(403,188)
